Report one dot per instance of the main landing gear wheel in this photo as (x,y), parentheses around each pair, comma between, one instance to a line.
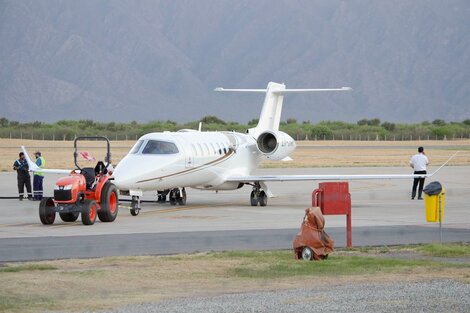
(174,193)
(263,198)
(135,206)
(182,198)
(177,196)
(89,212)
(69,217)
(253,198)
(109,203)
(258,196)
(47,211)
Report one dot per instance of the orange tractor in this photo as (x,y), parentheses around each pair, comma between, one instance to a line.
(87,191)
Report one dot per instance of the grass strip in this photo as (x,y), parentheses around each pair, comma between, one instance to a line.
(27,268)
(116,281)
(446,250)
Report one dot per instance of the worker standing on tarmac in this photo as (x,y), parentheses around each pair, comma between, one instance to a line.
(38,177)
(22,169)
(418,162)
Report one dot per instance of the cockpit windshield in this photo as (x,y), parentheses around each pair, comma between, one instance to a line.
(136,147)
(160,147)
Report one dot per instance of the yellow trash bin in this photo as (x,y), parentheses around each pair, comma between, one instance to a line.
(432,206)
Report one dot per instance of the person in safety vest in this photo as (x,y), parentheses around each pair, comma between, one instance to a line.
(38,177)
(22,169)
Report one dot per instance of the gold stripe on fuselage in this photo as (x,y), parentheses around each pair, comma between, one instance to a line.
(195,169)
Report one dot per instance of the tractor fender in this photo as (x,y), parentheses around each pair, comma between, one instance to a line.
(99,187)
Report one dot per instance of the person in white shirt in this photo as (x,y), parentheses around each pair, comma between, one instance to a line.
(419,163)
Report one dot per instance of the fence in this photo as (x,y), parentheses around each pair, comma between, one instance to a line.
(342,137)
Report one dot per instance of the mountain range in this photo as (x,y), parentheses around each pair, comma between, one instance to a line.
(407,61)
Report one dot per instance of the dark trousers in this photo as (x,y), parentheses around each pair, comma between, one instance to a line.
(24,180)
(417,181)
(37,187)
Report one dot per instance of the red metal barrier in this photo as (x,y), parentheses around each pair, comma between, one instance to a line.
(334,198)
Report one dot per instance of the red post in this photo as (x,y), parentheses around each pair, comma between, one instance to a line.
(348,231)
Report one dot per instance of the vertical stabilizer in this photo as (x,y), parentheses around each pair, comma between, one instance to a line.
(270,116)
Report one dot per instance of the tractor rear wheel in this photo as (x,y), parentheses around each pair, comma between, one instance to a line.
(109,203)
(89,211)
(47,211)
(69,217)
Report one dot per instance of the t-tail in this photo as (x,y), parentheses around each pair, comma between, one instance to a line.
(273,143)
(270,117)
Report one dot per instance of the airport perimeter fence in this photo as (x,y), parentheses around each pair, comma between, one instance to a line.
(335,137)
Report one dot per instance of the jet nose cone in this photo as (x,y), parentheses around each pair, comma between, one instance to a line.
(121,183)
(124,176)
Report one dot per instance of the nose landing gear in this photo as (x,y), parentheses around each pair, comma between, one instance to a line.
(135,205)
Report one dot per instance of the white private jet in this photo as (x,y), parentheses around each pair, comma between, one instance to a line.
(171,161)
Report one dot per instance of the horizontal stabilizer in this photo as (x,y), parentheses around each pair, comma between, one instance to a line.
(284,91)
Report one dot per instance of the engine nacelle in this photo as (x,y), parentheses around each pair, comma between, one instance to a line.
(275,145)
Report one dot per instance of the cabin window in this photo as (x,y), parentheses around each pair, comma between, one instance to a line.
(213,148)
(199,149)
(136,147)
(160,147)
(206,149)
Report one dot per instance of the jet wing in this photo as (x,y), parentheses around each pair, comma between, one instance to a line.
(34,168)
(281,178)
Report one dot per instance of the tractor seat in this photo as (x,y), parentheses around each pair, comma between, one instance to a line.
(89,173)
(100,168)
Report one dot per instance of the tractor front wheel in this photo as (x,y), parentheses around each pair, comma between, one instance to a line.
(89,212)
(47,211)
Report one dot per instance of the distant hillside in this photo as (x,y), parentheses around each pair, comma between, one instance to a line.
(156,60)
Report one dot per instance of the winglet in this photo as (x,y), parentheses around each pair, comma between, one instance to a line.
(443,164)
(34,168)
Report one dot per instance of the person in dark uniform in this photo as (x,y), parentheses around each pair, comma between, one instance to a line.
(22,169)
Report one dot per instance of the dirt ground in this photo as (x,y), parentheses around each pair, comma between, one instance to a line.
(59,154)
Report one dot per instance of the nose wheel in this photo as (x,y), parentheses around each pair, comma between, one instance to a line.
(258,196)
(135,206)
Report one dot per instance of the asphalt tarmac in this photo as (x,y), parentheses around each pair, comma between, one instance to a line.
(382,214)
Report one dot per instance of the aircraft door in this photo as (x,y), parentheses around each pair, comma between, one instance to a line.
(232,139)
(188,152)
